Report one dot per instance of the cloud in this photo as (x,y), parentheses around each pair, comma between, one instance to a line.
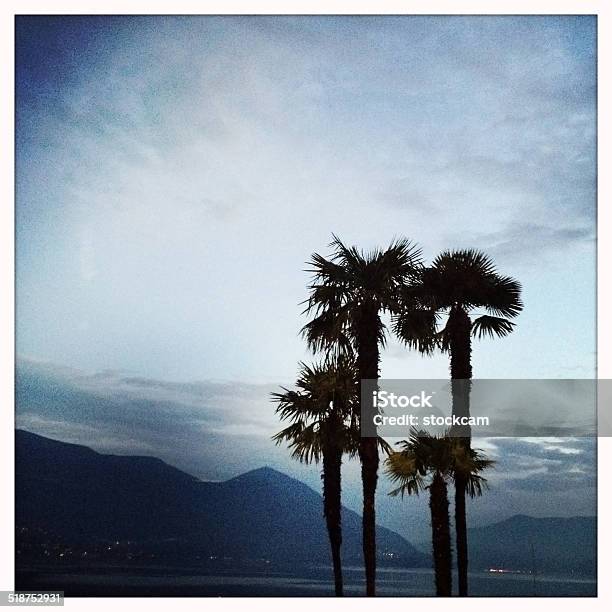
(173,181)
(201,427)
(521,242)
(546,464)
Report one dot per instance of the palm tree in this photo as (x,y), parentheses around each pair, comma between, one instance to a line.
(456,285)
(350,291)
(429,462)
(323,427)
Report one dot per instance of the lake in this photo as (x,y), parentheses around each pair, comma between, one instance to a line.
(312,582)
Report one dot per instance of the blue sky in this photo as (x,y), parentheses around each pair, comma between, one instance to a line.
(174,174)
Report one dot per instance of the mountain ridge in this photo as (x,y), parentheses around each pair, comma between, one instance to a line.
(82,495)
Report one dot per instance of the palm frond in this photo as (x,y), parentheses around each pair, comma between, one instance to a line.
(329,330)
(417,329)
(469,278)
(321,410)
(487,325)
(350,282)
(503,296)
(402,469)
(476,485)
(424,455)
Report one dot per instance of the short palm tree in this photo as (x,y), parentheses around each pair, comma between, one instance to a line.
(456,285)
(350,291)
(323,427)
(429,462)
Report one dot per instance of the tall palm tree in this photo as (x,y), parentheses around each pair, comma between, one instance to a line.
(457,285)
(429,462)
(350,291)
(323,427)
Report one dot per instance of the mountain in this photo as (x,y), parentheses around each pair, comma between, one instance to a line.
(547,544)
(76,497)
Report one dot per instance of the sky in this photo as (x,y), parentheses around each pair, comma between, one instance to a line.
(175,174)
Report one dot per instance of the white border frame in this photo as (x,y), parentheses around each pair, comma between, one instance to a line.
(9,8)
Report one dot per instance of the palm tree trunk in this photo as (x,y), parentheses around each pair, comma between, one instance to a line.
(367,364)
(460,328)
(368,453)
(461,535)
(332,465)
(440,536)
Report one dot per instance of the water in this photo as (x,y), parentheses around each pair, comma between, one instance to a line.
(308,583)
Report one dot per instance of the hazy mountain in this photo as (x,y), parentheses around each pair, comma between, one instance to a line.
(546,545)
(82,496)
